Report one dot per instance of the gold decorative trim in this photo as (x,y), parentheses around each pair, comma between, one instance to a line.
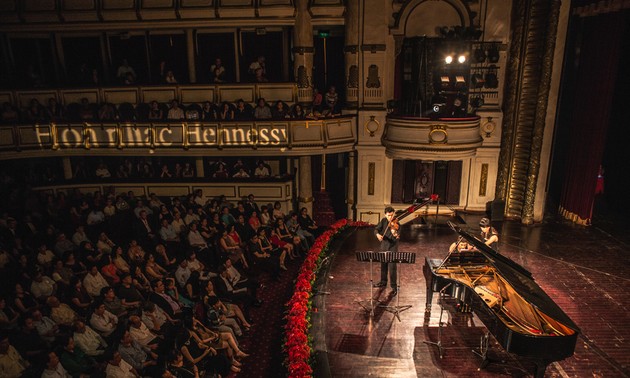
(566,214)
(483,181)
(306,200)
(349,201)
(371,170)
(372,120)
(438,134)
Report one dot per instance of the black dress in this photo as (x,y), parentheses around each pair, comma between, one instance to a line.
(218,364)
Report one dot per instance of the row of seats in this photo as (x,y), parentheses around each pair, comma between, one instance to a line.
(142,112)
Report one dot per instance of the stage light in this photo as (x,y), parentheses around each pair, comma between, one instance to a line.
(461,59)
(493,54)
(448,59)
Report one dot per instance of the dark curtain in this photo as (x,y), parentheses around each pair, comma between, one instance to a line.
(597,72)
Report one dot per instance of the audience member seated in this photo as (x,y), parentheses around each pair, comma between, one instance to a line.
(261,170)
(156,113)
(332,103)
(257,69)
(217,72)
(175,112)
(193,112)
(12,364)
(208,112)
(243,112)
(298,112)
(169,78)
(35,113)
(54,110)
(262,111)
(123,70)
(88,340)
(107,112)
(76,362)
(280,111)
(226,113)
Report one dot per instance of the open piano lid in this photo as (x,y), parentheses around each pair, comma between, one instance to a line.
(519,278)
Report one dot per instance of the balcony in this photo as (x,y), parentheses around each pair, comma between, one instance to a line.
(255,138)
(432,139)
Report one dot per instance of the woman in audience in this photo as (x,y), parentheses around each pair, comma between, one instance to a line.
(267,248)
(253,221)
(298,112)
(80,300)
(226,113)
(231,246)
(283,232)
(265,219)
(140,280)
(286,247)
(153,270)
(280,111)
(109,270)
(155,112)
(54,110)
(119,260)
(24,301)
(135,252)
(208,113)
(277,211)
(171,289)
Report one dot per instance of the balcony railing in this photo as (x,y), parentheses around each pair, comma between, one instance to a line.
(293,137)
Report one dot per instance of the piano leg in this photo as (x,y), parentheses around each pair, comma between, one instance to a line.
(541,366)
(484,345)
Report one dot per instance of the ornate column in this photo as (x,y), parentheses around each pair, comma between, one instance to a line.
(305,196)
(303,52)
(351,55)
(350,198)
(190,49)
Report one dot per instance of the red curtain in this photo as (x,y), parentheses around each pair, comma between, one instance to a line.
(595,84)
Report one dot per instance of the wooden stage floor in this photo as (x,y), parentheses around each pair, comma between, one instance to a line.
(584,270)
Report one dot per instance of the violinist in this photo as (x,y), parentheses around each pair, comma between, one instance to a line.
(387,232)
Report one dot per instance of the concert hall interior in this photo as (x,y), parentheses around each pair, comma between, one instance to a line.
(238,157)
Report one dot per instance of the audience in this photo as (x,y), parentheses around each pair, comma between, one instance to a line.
(118,310)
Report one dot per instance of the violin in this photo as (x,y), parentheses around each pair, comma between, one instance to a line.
(394,226)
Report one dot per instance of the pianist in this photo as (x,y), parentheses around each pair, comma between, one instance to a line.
(460,246)
(489,235)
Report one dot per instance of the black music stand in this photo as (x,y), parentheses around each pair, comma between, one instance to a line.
(438,344)
(370,256)
(398,258)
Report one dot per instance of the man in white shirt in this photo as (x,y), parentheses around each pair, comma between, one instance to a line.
(80,236)
(46,327)
(141,334)
(88,340)
(103,321)
(12,365)
(42,286)
(175,112)
(182,274)
(195,239)
(261,170)
(94,282)
(54,369)
(118,368)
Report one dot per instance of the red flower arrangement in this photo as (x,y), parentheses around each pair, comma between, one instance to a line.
(298,342)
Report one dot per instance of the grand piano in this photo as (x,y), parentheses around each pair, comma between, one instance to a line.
(503,294)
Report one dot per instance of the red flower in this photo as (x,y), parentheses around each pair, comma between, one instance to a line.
(297,346)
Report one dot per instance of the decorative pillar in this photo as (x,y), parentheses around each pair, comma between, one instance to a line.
(199,166)
(351,178)
(190,49)
(67,168)
(306,185)
(322,184)
(351,55)
(303,52)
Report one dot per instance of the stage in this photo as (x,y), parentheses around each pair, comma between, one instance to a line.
(573,266)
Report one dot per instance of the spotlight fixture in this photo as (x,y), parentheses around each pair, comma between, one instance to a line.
(448,59)
(493,54)
(445,81)
(461,59)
